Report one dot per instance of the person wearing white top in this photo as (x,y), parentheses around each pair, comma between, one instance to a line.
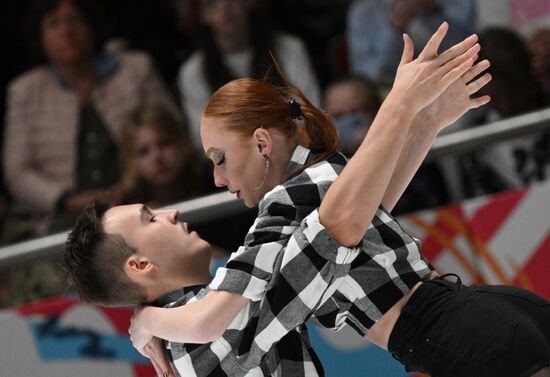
(235,42)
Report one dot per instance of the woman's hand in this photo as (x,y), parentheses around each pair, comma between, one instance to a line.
(420,81)
(139,335)
(456,99)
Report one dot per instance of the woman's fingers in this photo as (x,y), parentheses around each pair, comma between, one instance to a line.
(471,54)
(476,70)
(430,50)
(480,101)
(457,49)
(475,85)
(408,50)
(457,72)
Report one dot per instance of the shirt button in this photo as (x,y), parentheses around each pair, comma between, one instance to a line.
(91,137)
(96,175)
(92,154)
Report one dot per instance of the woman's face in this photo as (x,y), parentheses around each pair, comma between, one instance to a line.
(225,17)
(157,157)
(66,36)
(238,162)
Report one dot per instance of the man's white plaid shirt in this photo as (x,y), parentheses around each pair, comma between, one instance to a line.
(292,356)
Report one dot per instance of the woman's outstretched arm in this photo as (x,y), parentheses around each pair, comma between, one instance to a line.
(427,124)
(351,202)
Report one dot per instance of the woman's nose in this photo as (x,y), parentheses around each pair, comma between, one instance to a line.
(219,179)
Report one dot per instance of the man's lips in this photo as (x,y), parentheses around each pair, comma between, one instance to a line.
(238,193)
(185,227)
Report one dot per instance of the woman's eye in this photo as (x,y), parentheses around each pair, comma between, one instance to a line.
(221,161)
(153,219)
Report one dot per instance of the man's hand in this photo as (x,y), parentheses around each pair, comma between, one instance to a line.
(139,335)
(158,358)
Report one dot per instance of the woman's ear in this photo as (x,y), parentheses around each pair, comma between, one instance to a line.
(264,141)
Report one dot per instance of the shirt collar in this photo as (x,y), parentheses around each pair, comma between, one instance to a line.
(105,65)
(182,295)
(299,158)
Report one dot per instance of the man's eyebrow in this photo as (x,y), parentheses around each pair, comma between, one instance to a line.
(143,211)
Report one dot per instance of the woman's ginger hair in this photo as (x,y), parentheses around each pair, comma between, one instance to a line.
(247,104)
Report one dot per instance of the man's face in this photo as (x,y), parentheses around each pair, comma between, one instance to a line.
(160,238)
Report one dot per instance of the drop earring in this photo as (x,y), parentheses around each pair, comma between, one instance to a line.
(266,157)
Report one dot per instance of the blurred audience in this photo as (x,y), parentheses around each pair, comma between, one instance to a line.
(514,91)
(321,24)
(375,29)
(63,118)
(539,45)
(152,26)
(532,19)
(161,164)
(353,103)
(235,40)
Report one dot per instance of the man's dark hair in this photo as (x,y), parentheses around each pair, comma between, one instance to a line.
(94,262)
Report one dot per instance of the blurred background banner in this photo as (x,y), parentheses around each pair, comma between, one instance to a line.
(499,239)
(64,337)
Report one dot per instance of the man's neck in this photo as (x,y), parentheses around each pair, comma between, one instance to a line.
(169,284)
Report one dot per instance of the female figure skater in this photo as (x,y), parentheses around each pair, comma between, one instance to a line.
(390,294)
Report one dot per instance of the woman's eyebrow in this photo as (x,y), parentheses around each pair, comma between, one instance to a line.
(211,150)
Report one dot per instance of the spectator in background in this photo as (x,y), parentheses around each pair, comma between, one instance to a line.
(64,117)
(235,40)
(161,165)
(353,103)
(532,19)
(539,45)
(375,29)
(514,91)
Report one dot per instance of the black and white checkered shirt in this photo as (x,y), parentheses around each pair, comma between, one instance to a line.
(292,356)
(290,262)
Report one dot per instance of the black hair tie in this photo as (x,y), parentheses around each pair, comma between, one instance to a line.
(295,110)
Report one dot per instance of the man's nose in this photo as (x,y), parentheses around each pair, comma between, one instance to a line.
(171,215)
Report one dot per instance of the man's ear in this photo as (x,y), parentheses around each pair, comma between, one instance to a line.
(264,141)
(138,266)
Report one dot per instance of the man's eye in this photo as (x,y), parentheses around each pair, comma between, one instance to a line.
(221,161)
(153,219)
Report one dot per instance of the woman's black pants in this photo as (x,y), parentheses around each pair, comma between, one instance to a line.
(449,330)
